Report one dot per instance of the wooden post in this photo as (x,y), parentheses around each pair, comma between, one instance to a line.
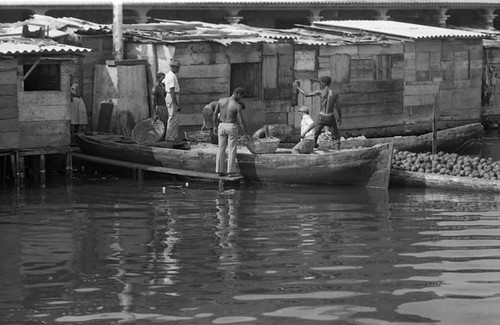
(118,30)
(434,122)
(140,176)
(434,130)
(43,178)
(21,171)
(69,167)
(14,158)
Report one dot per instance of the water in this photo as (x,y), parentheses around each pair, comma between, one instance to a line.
(107,251)
(110,252)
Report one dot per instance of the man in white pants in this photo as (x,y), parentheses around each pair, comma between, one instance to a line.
(172,101)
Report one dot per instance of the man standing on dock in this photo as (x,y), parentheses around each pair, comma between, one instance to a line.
(172,101)
(329,101)
(227,116)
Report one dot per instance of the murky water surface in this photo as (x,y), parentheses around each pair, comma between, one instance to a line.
(109,252)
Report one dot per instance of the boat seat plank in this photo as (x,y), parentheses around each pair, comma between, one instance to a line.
(158,169)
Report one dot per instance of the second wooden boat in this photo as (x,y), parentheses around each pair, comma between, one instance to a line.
(462,139)
(428,180)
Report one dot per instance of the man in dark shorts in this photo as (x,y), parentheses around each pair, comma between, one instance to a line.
(329,101)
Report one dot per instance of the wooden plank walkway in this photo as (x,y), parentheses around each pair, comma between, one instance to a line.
(158,169)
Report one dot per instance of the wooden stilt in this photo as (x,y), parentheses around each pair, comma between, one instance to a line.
(21,171)
(14,157)
(221,185)
(3,168)
(43,176)
(69,167)
(140,177)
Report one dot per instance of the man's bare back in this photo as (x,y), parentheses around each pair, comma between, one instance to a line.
(229,110)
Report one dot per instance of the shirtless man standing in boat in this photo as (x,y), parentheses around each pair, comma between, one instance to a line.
(329,101)
(228,115)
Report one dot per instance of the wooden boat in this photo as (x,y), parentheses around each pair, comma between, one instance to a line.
(462,139)
(368,167)
(427,180)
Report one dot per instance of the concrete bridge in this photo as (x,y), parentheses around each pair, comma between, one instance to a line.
(265,13)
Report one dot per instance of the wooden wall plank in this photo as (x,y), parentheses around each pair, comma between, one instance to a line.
(203,98)
(44,134)
(8,77)
(8,113)
(368,110)
(270,69)
(379,49)
(43,98)
(207,85)
(205,71)
(343,49)
(9,125)
(43,113)
(9,139)
(374,122)
(370,86)
(8,101)
(341,68)
(8,90)
(370,98)
(220,58)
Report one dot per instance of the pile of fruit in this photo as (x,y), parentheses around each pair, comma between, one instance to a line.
(446,164)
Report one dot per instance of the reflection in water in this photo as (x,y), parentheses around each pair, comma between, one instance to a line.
(227,226)
(111,252)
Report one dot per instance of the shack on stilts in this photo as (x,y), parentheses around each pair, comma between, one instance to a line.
(35,79)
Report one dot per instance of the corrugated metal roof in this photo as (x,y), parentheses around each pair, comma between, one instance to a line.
(17,46)
(407,30)
(177,32)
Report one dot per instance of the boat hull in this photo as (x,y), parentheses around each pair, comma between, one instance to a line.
(438,181)
(465,139)
(368,167)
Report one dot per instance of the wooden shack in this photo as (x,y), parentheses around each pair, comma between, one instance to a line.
(393,90)
(35,77)
(491,73)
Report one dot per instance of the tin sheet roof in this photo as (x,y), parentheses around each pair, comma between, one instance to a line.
(17,46)
(394,28)
(178,32)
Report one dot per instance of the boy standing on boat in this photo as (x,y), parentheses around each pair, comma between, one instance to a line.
(228,115)
(306,144)
(172,101)
(329,101)
(159,102)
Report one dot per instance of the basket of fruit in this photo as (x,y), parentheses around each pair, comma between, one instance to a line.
(265,145)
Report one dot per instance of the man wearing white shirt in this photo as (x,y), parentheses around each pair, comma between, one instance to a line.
(306,144)
(172,100)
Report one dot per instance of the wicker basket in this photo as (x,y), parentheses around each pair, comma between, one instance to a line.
(148,131)
(198,136)
(267,145)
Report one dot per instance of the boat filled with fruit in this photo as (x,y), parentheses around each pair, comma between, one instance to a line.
(444,170)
